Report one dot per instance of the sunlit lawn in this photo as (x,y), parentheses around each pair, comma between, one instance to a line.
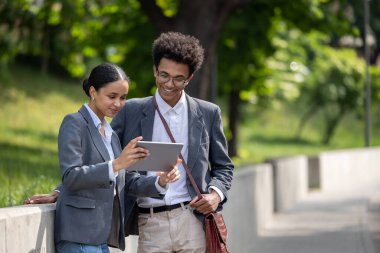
(32,107)
(272,135)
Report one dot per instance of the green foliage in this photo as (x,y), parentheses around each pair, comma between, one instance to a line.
(241,60)
(337,78)
(318,77)
(76,34)
(169,7)
(374,73)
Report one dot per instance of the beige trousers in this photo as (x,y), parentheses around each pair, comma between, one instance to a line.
(173,231)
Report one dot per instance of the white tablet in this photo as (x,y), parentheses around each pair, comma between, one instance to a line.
(162,156)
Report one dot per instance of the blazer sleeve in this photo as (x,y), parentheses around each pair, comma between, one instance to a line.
(221,165)
(75,174)
(141,185)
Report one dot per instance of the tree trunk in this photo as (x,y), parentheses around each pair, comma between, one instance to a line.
(304,119)
(331,124)
(234,116)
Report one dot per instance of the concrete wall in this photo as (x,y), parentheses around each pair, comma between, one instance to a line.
(290,179)
(27,229)
(353,169)
(249,206)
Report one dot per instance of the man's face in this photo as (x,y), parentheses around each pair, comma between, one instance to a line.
(171,78)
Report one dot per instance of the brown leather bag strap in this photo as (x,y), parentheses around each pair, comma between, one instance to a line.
(192,181)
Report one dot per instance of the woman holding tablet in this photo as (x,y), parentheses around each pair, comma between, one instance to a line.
(90,207)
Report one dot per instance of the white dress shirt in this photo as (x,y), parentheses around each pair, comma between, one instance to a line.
(106,139)
(177,119)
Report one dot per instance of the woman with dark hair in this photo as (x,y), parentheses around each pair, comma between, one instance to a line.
(90,207)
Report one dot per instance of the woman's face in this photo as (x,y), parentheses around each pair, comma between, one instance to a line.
(108,100)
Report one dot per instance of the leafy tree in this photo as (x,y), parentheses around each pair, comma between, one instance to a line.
(244,69)
(330,80)
(77,34)
(357,19)
(338,86)
(202,19)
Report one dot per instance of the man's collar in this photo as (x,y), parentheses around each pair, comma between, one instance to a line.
(165,107)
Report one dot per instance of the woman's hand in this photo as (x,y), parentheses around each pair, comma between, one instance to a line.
(130,155)
(169,177)
(42,198)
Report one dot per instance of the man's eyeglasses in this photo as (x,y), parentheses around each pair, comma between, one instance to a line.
(163,77)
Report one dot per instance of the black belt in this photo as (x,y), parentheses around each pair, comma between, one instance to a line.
(162,208)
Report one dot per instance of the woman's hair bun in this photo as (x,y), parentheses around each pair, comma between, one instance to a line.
(102,75)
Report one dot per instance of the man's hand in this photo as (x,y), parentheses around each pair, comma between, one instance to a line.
(42,198)
(169,177)
(208,204)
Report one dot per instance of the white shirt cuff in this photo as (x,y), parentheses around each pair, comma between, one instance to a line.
(112,174)
(161,189)
(217,191)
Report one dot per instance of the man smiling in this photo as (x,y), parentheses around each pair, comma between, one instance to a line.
(175,223)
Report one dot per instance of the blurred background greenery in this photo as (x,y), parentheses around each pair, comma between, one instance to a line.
(289,75)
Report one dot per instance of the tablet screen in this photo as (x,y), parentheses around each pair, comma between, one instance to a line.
(162,156)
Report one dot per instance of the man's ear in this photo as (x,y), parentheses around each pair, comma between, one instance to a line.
(188,79)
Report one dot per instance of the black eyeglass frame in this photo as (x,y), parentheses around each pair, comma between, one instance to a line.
(178,81)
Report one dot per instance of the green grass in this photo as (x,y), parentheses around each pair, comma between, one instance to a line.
(33,106)
(271,134)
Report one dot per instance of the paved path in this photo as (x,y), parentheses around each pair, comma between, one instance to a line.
(324,223)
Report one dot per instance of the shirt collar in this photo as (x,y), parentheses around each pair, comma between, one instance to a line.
(164,107)
(107,128)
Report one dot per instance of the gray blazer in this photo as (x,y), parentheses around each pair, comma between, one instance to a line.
(84,211)
(208,158)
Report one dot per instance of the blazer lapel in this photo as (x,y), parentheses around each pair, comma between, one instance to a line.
(195,131)
(148,120)
(115,143)
(95,135)
(116,147)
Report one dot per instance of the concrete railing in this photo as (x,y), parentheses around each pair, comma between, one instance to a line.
(27,229)
(290,181)
(249,206)
(257,192)
(353,169)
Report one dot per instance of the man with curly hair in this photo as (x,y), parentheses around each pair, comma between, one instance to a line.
(175,223)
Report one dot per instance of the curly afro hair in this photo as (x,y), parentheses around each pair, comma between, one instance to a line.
(178,47)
